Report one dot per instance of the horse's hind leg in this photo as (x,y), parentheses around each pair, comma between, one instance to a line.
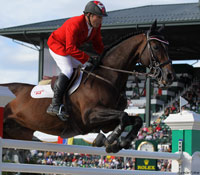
(13,130)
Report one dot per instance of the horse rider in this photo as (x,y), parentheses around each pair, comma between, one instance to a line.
(64,46)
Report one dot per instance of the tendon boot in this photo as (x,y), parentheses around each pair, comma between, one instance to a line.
(57,107)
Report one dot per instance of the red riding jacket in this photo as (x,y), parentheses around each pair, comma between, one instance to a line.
(67,39)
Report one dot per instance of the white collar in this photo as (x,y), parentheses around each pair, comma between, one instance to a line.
(89,29)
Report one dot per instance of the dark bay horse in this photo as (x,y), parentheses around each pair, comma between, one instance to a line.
(96,105)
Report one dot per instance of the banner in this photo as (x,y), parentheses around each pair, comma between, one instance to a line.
(183,102)
(70,141)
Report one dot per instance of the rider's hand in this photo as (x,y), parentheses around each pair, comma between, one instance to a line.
(95,60)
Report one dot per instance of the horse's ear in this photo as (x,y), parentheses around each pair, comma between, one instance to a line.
(154,25)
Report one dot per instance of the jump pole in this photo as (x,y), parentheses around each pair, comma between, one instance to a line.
(5,97)
(1,121)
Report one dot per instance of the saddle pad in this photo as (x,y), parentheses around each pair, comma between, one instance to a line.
(45,91)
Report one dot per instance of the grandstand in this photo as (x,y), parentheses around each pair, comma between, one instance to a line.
(161,97)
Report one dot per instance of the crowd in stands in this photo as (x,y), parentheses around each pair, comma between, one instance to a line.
(84,160)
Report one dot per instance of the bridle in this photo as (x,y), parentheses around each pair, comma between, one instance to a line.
(155,66)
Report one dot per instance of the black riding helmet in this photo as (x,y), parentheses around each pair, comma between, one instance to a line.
(95,7)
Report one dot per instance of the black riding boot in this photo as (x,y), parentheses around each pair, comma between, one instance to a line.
(57,108)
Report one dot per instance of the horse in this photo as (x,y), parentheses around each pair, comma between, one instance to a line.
(98,104)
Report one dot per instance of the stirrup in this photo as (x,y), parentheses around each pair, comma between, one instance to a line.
(62,116)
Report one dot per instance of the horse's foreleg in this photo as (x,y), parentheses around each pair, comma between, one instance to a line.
(112,142)
(118,144)
(100,116)
(104,116)
(124,121)
(137,124)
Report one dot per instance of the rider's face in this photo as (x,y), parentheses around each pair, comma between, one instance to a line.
(96,20)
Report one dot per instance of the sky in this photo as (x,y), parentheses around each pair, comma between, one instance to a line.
(19,63)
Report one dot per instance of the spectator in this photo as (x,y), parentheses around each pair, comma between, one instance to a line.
(149,136)
(158,128)
(150,129)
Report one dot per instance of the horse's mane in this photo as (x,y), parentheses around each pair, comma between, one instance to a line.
(122,38)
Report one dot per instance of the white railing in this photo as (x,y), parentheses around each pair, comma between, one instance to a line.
(31,145)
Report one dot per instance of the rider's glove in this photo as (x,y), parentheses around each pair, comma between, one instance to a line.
(95,60)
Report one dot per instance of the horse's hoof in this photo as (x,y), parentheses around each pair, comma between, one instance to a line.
(125,143)
(99,141)
(114,148)
(108,149)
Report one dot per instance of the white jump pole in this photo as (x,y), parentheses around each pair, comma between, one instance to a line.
(19,144)
(13,167)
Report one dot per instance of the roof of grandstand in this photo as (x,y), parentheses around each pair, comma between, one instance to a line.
(181,20)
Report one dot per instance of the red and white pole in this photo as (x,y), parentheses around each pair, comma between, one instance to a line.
(1,121)
(5,97)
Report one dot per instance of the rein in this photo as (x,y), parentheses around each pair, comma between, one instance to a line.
(116,70)
(99,77)
(125,71)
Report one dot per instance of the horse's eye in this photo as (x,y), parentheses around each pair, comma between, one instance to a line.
(155,47)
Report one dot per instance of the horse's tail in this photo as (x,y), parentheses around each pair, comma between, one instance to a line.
(15,88)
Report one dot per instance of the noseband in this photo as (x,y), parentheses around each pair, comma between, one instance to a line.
(155,66)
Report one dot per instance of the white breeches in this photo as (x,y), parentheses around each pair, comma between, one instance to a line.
(65,63)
